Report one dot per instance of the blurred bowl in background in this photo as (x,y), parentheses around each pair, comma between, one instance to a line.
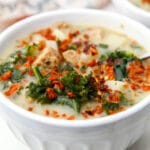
(131,10)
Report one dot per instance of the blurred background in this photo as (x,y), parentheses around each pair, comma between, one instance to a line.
(12,11)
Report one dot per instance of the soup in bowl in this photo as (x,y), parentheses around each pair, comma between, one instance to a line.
(65,76)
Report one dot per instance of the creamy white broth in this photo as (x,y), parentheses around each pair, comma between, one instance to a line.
(94,35)
(141,4)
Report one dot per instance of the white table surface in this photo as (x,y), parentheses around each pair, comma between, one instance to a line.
(9,142)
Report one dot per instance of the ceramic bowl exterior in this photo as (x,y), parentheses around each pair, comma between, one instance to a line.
(130,10)
(115,132)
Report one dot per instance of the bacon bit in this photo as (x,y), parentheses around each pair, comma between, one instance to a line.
(92,63)
(18,65)
(64,115)
(122,108)
(134,42)
(74,34)
(30,60)
(90,112)
(125,86)
(78,51)
(98,110)
(64,44)
(146,87)
(44,73)
(72,117)
(30,109)
(135,86)
(110,72)
(93,51)
(114,98)
(131,101)
(22,43)
(51,93)
(13,89)
(85,115)
(47,33)
(112,112)
(7,75)
(96,71)
(71,94)
(55,114)
(86,36)
(65,72)
(102,87)
(77,66)
(42,45)
(58,85)
(46,112)
(53,75)
(77,44)
(30,72)
(136,71)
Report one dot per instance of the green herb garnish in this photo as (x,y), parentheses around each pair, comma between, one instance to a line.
(102,45)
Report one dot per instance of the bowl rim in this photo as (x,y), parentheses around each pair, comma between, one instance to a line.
(67,123)
(134,8)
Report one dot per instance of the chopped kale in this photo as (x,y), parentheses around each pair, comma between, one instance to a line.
(83,68)
(64,100)
(7,66)
(17,57)
(31,50)
(66,67)
(16,76)
(102,45)
(120,60)
(72,47)
(84,88)
(111,106)
(37,91)
(136,46)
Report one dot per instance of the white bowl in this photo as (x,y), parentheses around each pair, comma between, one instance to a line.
(129,9)
(115,132)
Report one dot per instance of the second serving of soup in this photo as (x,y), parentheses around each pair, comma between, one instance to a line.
(143,4)
(73,72)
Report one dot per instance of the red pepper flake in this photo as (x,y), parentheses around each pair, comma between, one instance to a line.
(30,109)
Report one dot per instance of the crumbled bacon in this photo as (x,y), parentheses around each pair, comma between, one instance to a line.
(51,93)
(70,94)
